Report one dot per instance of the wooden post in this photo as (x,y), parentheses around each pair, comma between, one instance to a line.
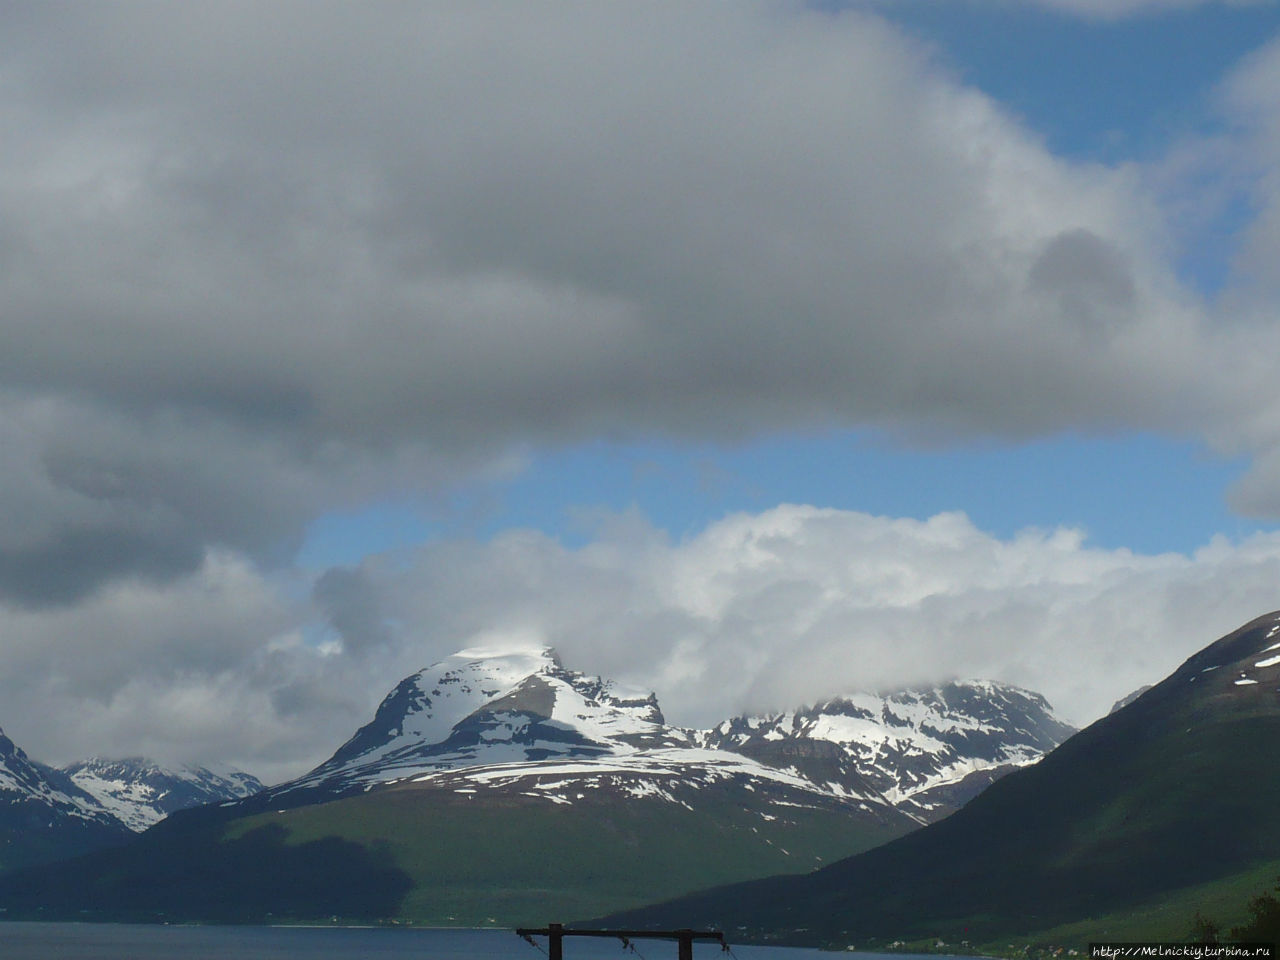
(685,951)
(555,941)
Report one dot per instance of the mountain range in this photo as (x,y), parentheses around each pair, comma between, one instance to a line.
(498,719)
(499,784)
(498,787)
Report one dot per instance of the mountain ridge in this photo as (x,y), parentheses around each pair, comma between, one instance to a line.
(916,748)
(141,792)
(49,814)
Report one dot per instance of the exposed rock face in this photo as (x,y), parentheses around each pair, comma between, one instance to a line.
(1129,698)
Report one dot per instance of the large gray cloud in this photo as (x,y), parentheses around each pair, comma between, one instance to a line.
(265,242)
(92,493)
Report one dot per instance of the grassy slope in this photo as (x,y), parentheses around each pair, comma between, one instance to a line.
(535,862)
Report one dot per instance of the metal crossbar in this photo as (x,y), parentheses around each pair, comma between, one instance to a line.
(555,934)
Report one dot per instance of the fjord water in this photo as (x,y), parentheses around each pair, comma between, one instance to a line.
(92,941)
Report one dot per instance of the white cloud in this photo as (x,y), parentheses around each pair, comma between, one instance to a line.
(773,609)
(1240,168)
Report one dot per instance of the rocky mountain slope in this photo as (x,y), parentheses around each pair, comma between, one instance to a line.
(44,816)
(141,792)
(1165,797)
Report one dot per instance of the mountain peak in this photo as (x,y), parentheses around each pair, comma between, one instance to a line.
(495,702)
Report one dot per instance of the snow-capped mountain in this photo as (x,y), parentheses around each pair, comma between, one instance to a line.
(481,707)
(49,814)
(23,780)
(509,728)
(926,751)
(44,815)
(518,722)
(141,792)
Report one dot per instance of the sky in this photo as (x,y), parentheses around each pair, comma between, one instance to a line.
(749,353)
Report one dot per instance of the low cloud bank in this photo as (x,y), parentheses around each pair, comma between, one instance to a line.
(757,612)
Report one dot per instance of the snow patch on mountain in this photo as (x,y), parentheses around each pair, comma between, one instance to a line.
(686,776)
(691,764)
(1243,652)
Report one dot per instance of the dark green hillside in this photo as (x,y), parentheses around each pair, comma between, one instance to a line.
(1176,790)
(198,873)
(436,856)
(31,833)
(1169,916)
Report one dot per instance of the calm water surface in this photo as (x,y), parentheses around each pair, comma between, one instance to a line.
(89,941)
